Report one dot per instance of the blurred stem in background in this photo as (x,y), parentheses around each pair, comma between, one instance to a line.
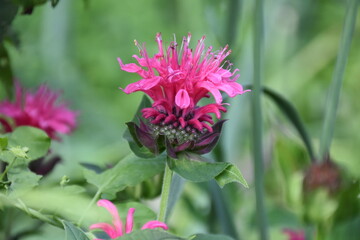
(233,21)
(337,79)
(257,118)
(220,200)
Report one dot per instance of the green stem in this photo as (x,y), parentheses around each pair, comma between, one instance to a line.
(257,119)
(7,169)
(165,194)
(96,196)
(36,214)
(337,79)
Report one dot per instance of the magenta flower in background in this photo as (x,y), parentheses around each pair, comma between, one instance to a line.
(294,235)
(40,109)
(117,229)
(176,80)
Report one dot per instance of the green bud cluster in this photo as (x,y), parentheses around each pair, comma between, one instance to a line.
(178,134)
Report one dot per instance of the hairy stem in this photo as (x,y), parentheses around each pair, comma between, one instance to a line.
(165,194)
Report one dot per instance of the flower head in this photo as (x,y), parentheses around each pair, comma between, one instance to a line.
(40,109)
(294,235)
(117,229)
(176,80)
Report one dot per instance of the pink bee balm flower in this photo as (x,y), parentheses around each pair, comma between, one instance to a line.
(176,81)
(116,230)
(294,235)
(40,110)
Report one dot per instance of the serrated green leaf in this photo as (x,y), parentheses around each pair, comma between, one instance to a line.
(127,172)
(149,234)
(231,174)
(22,179)
(72,232)
(210,237)
(196,171)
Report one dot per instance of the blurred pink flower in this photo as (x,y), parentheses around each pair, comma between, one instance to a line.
(40,110)
(116,230)
(294,235)
(177,80)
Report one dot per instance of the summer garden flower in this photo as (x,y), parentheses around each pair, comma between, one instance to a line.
(40,109)
(117,229)
(176,80)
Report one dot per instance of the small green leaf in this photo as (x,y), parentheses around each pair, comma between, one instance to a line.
(128,172)
(210,237)
(35,139)
(20,152)
(149,234)
(72,232)
(3,143)
(231,174)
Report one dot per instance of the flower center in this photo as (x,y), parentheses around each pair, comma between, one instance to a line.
(176,134)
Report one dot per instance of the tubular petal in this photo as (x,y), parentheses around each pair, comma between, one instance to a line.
(114,212)
(106,228)
(130,220)
(155,224)
(182,99)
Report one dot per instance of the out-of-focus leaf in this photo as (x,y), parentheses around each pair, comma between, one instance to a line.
(201,171)
(54,3)
(210,237)
(231,174)
(291,113)
(8,12)
(72,232)
(6,76)
(127,172)
(36,140)
(3,142)
(92,167)
(349,203)
(22,179)
(149,234)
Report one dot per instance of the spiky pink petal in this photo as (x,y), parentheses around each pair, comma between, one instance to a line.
(41,110)
(130,220)
(155,224)
(110,230)
(115,214)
